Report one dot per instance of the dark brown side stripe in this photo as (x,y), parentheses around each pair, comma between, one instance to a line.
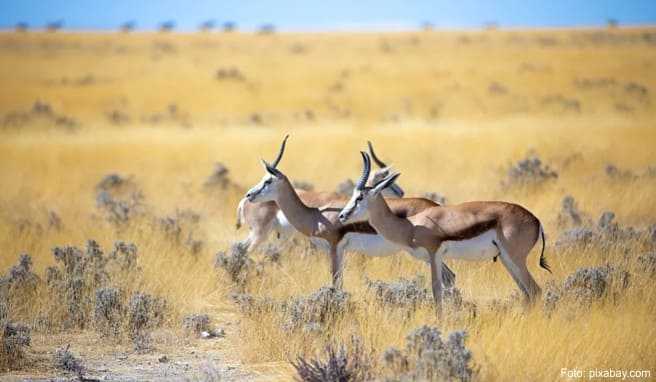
(471,231)
(359,227)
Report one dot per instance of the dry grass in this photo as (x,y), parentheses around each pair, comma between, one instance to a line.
(427,106)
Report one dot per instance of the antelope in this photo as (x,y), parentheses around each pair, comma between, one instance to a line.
(322,224)
(265,217)
(467,231)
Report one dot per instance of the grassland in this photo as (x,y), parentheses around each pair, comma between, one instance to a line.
(453,111)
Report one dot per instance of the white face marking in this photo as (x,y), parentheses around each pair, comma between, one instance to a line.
(266,190)
(356,208)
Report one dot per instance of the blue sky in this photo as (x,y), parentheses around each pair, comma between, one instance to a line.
(326,14)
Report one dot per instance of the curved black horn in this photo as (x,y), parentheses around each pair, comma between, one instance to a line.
(365,171)
(274,164)
(379,162)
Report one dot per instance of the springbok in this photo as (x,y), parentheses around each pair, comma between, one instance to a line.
(468,231)
(265,217)
(322,224)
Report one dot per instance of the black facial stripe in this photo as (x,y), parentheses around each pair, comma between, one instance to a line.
(350,211)
(258,191)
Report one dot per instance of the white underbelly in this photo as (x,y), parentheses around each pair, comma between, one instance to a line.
(369,244)
(475,249)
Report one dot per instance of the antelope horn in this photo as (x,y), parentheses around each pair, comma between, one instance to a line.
(274,164)
(379,162)
(365,171)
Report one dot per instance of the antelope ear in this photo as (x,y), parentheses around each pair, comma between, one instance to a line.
(388,181)
(385,170)
(268,168)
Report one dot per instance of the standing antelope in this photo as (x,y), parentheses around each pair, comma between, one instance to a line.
(468,231)
(322,225)
(264,217)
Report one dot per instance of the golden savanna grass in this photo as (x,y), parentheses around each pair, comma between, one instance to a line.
(452,111)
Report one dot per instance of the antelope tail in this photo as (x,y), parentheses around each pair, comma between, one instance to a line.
(543,260)
(240,213)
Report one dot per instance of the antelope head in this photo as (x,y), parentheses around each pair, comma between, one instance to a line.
(268,188)
(393,190)
(357,207)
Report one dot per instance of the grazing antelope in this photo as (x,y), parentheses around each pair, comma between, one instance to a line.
(468,231)
(265,217)
(322,224)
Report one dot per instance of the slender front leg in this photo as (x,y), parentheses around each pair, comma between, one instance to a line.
(336,266)
(436,281)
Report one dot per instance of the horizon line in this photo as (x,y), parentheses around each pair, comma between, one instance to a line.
(346,28)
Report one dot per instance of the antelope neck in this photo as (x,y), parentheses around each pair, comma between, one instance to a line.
(387,224)
(297,213)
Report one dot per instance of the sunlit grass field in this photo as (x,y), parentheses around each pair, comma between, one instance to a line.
(452,111)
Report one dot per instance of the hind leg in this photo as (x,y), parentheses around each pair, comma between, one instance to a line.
(515,264)
(448,277)
(436,281)
(256,236)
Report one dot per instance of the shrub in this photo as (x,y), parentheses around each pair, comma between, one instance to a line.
(497,88)
(530,170)
(108,311)
(427,357)
(82,282)
(410,294)
(587,285)
(401,293)
(303,185)
(182,223)
(4,310)
(569,214)
(220,176)
(65,360)
(606,234)
(119,198)
(578,236)
(647,263)
(77,278)
(145,312)
(196,323)
(251,305)
(15,338)
(20,282)
(320,307)
(124,256)
(337,365)
(345,188)
(236,263)
(562,103)
(116,210)
(230,74)
(614,172)
(41,112)
(142,342)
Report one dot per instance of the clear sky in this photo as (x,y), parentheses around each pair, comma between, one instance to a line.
(327,14)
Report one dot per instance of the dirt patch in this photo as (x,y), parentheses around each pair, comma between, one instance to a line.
(175,357)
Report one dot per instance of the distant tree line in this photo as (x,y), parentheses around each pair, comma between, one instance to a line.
(230,26)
